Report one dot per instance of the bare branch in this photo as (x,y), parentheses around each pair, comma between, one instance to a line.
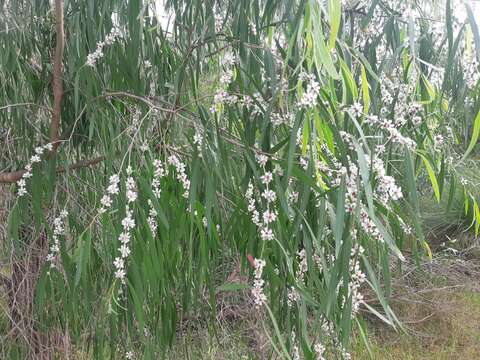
(14,176)
(9,106)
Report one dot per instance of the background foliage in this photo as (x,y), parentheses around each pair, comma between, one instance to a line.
(338,119)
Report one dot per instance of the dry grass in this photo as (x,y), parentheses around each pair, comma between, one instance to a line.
(439,304)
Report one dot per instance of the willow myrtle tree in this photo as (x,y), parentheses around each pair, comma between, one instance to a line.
(288,135)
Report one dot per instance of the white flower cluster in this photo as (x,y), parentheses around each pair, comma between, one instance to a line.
(353,4)
(407,229)
(395,95)
(295,349)
(330,337)
(414,112)
(351,182)
(319,351)
(256,103)
(386,189)
(181,175)
(198,142)
(309,97)
(356,109)
(293,296)
(270,214)
(98,53)
(131,192)
(22,182)
(221,18)
(158,173)
(259,297)
(128,223)
(278,119)
(152,217)
(369,227)
(357,278)
(222,96)
(394,134)
(348,139)
(112,190)
(472,75)
(58,230)
(228,62)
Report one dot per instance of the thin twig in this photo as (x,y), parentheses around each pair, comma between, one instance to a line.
(9,106)
(57,76)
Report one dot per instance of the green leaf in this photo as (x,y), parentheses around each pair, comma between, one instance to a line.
(84,253)
(321,53)
(474,27)
(474,138)
(432,176)
(365,91)
(335,13)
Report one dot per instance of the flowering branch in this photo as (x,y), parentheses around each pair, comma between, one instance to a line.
(14,176)
(57,95)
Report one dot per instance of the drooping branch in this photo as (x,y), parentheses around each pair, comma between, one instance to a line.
(57,86)
(57,76)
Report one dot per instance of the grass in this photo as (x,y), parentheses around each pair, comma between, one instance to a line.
(439,305)
(451,331)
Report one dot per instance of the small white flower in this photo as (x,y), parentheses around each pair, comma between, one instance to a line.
(131,196)
(120,274)
(106,201)
(266,234)
(128,223)
(124,237)
(262,159)
(266,178)
(124,251)
(269,195)
(319,351)
(118,263)
(259,297)
(269,217)
(35,159)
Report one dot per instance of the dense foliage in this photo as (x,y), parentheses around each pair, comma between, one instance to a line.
(291,137)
